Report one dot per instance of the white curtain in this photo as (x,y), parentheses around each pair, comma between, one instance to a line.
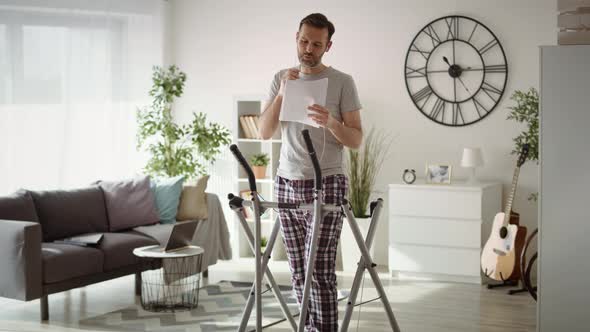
(72,74)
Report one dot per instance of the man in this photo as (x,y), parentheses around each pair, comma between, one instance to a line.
(340,125)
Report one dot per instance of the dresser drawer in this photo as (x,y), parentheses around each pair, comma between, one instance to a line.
(463,233)
(438,203)
(424,259)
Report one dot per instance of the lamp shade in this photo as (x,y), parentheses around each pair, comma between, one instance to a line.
(472,157)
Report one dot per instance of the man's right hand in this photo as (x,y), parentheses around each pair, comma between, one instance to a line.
(291,74)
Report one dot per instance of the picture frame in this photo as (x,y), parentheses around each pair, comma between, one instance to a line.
(247,195)
(438,174)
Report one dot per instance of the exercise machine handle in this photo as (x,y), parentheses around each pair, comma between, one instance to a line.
(251,179)
(314,159)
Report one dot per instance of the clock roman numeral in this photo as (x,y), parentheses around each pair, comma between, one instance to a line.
(415,73)
(495,69)
(425,92)
(453,26)
(433,36)
(472,32)
(488,46)
(425,54)
(479,107)
(457,113)
(492,92)
(439,106)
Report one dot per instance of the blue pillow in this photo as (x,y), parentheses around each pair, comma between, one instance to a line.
(167,192)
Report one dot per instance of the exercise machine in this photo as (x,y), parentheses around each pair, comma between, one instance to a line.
(319,211)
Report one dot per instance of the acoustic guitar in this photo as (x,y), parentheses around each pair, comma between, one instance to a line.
(500,258)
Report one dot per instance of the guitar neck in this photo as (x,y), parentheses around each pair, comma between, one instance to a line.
(508,210)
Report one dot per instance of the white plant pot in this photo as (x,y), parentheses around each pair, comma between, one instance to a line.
(279,252)
(351,253)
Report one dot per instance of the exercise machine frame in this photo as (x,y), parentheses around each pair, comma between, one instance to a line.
(319,210)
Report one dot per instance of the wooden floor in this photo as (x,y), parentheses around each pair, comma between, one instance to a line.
(419,306)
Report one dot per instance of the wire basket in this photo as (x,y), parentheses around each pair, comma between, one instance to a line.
(174,287)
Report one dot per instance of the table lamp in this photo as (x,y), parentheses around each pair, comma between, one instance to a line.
(472,158)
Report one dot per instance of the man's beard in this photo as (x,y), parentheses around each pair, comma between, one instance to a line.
(310,61)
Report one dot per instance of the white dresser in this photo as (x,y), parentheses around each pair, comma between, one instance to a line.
(437,231)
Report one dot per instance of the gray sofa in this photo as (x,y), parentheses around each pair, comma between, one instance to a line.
(33,266)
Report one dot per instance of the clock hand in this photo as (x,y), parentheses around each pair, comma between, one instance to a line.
(446,71)
(455,88)
(454,70)
(454,60)
(460,80)
(446,60)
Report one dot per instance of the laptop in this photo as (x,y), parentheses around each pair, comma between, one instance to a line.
(181,236)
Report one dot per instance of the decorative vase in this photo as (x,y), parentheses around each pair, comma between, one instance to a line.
(351,253)
(279,252)
(259,172)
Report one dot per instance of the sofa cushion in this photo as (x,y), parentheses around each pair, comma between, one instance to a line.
(117,248)
(167,193)
(18,206)
(65,213)
(129,203)
(64,261)
(193,201)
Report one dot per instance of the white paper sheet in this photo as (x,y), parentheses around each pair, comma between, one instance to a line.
(299,95)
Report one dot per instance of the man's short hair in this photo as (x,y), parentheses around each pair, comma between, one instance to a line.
(319,21)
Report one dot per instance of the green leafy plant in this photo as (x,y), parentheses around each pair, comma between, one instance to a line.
(526,111)
(263,241)
(363,165)
(175,149)
(259,159)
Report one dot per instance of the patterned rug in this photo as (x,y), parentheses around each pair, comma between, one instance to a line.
(220,309)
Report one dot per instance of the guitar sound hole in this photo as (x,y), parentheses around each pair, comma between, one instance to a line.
(503,232)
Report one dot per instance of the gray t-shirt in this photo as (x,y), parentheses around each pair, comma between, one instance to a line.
(294,162)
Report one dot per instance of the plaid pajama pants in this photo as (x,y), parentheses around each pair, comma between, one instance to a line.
(296,229)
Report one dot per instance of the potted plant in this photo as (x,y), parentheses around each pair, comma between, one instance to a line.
(259,161)
(263,243)
(526,111)
(363,166)
(176,149)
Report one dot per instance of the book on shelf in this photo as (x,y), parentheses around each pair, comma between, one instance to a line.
(256,123)
(249,124)
(253,126)
(245,128)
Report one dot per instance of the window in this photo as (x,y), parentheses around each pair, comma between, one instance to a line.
(40,72)
(71,80)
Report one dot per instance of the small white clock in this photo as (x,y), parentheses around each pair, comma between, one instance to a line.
(409,176)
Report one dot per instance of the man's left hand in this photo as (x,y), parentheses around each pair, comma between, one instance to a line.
(321,116)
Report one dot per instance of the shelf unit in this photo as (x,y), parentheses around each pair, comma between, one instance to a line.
(245,105)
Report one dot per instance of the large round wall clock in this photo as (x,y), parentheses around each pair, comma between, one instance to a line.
(456,71)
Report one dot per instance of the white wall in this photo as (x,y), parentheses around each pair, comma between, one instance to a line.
(230,48)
